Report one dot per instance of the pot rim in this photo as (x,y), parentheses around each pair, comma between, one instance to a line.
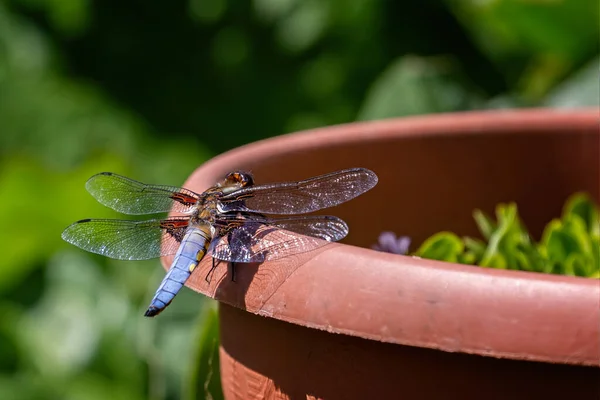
(437,299)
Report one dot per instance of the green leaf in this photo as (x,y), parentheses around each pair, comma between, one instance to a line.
(524,263)
(416,85)
(443,246)
(475,246)
(204,380)
(485,224)
(567,247)
(595,243)
(581,204)
(578,265)
(552,226)
(560,245)
(496,261)
(514,236)
(530,259)
(468,258)
(578,90)
(562,239)
(506,215)
(542,41)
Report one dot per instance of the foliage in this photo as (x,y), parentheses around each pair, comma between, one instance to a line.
(204,379)
(569,245)
(151,90)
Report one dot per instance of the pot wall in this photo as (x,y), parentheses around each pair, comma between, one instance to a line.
(309,363)
(362,323)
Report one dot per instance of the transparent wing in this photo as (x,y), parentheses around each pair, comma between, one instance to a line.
(303,196)
(127,240)
(275,238)
(326,227)
(132,197)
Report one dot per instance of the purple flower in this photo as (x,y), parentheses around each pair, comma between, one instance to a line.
(390,243)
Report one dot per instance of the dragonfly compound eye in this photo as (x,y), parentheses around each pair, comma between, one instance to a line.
(241,178)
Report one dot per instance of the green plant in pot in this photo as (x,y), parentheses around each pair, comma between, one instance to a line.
(570,245)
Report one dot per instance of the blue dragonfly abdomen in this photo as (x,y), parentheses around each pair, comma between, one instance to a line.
(191,251)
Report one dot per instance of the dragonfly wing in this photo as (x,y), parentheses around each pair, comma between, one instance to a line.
(324,227)
(301,197)
(275,238)
(128,196)
(236,245)
(127,240)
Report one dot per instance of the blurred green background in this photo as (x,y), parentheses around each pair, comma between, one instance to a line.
(153,89)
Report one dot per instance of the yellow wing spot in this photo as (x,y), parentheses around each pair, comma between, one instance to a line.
(200,255)
(192,266)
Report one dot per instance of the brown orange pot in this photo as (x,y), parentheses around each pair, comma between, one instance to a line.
(347,322)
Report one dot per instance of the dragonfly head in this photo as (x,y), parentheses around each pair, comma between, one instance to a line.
(239,179)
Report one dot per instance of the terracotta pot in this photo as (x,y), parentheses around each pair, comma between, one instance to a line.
(349,322)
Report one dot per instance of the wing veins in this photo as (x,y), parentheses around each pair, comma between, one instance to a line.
(127,239)
(303,196)
(129,196)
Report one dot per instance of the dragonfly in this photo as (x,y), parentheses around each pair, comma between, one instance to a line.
(234,221)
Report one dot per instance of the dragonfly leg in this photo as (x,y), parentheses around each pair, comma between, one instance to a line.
(208,276)
(232,271)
